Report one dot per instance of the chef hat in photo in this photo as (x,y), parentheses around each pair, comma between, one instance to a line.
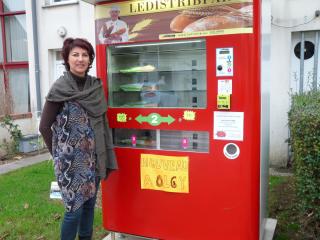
(115,8)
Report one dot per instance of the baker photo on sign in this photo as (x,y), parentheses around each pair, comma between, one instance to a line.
(114,30)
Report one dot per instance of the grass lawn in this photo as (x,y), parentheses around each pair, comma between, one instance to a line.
(26,212)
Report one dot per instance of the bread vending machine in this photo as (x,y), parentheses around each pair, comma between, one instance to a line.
(182,79)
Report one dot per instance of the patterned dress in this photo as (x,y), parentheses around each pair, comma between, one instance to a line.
(73,154)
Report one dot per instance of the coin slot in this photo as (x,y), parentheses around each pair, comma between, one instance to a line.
(231,151)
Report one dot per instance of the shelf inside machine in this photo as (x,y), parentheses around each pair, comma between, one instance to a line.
(164,75)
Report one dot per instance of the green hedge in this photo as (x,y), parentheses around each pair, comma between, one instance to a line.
(304,124)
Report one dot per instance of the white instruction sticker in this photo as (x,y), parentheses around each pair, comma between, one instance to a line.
(224,62)
(228,125)
(225,86)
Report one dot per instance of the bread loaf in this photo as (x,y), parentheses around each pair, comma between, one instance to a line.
(106,30)
(216,22)
(247,10)
(245,13)
(119,32)
(219,10)
(181,21)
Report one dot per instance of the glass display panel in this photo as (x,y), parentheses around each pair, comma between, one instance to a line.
(165,74)
(135,138)
(194,141)
(190,141)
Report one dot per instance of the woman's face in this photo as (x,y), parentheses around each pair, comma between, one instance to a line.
(79,61)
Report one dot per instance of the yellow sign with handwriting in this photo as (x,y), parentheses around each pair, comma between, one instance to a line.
(223,101)
(164,173)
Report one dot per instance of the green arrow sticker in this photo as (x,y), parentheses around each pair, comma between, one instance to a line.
(155,119)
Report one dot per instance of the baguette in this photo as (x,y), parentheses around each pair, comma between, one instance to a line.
(119,32)
(247,10)
(244,13)
(180,21)
(209,11)
(106,30)
(216,23)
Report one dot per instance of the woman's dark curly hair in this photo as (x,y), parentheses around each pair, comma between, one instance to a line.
(71,43)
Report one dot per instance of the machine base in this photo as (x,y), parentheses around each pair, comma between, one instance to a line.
(269,228)
(268,233)
(121,236)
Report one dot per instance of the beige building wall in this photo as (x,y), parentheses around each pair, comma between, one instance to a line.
(286,16)
(77,17)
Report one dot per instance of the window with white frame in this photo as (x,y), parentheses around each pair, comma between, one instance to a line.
(58,2)
(305,64)
(14,71)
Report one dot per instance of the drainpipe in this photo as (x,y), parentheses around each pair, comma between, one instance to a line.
(36,54)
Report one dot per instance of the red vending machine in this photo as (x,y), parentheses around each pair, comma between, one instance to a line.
(182,79)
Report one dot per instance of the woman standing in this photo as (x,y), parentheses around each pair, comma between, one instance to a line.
(75,129)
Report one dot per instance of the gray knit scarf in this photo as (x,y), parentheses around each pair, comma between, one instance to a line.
(92,99)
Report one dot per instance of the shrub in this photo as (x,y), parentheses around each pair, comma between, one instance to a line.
(15,134)
(304,124)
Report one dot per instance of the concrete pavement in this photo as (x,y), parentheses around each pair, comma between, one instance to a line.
(24,162)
